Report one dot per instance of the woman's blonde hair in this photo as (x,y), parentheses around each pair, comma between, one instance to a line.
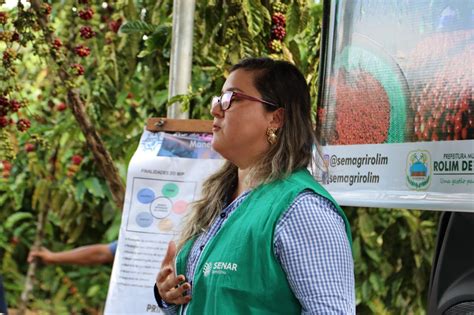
(281,83)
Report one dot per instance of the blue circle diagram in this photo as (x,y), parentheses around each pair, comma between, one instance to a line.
(146,195)
(144,219)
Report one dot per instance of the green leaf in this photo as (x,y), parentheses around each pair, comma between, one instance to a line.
(60,295)
(130,11)
(108,213)
(67,209)
(255,15)
(395,286)
(158,40)
(94,187)
(40,192)
(113,231)
(183,99)
(366,228)
(80,191)
(176,98)
(373,254)
(293,47)
(5,195)
(76,233)
(93,290)
(365,291)
(293,19)
(412,220)
(131,27)
(377,307)
(144,53)
(21,228)
(376,282)
(15,218)
(57,200)
(356,249)
(161,97)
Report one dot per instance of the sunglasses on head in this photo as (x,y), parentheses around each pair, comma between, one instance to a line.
(225,100)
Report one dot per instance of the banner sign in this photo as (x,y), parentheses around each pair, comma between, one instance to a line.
(396,108)
(164,176)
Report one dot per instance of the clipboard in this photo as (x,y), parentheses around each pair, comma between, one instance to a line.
(156,124)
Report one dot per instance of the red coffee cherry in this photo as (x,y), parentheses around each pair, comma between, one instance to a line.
(57,44)
(61,107)
(3,18)
(4,121)
(279,19)
(86,32)
(278,32)
(82,51)
(86,14)
(77,69)
(23,124)
(15,105)
(76,159)
(29,147)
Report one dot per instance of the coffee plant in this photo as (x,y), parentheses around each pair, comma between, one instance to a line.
(79,78)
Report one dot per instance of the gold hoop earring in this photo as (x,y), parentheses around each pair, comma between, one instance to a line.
(271,135)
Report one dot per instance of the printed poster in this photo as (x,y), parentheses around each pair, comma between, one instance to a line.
(164,177)
(396,107)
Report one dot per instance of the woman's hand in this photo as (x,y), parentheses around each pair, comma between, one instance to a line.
(172,288)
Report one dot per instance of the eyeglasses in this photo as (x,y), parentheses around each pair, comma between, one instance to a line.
(225,100)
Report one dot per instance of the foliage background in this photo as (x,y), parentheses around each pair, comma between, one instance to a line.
(124,83)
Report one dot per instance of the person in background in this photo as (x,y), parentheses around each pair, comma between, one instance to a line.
(85,255)
(266,237)
(3,302)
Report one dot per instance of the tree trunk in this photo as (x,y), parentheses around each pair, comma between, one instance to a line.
(30,276)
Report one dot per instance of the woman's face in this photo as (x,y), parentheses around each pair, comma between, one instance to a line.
(239,132)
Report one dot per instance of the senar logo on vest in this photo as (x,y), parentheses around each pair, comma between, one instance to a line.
(218,267)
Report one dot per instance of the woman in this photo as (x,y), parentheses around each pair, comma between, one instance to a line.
(265,238)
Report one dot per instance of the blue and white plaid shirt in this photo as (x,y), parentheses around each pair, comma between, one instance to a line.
(311,244)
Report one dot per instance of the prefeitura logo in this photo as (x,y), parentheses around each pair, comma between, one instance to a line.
(151,140)
(418,170)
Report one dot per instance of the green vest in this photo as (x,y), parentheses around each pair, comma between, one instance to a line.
(238,272)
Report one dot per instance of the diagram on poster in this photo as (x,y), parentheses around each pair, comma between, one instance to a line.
(158,206)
